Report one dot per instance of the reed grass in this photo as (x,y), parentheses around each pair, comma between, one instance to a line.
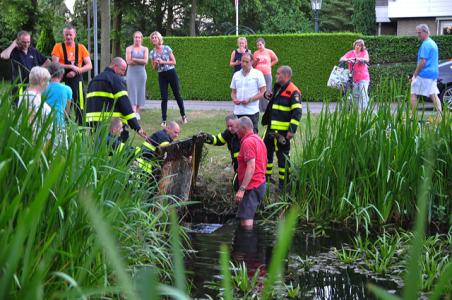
(75,223)
(363,168)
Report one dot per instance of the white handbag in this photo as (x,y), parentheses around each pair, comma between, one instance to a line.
(338,78)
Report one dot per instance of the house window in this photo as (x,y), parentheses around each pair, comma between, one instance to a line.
(445,27)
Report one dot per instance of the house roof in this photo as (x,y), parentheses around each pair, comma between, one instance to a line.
(419,8)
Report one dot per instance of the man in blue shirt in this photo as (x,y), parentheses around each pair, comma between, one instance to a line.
(424,78)
(58,95)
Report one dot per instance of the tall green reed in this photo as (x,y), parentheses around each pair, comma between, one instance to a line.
(49,246)
(363,167)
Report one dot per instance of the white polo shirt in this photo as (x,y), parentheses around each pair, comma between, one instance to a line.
(247,87)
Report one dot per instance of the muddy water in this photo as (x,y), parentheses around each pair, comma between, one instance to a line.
(311,263)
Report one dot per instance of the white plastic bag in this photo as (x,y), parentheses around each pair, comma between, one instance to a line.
(338,78)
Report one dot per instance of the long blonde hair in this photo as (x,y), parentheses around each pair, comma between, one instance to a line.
(158,35)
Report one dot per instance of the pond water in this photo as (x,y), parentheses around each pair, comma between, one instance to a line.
(311,262)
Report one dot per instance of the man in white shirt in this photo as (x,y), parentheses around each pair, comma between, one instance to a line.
(248,86)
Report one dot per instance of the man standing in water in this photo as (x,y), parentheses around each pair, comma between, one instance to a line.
(252,162)
(426,73)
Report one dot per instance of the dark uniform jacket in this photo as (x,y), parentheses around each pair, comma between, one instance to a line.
(231,140)
(158,139)
(283,112)
(107,97)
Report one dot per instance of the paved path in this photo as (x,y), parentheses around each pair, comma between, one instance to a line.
(314,107)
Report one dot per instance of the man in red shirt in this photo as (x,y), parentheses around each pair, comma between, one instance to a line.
(252,162)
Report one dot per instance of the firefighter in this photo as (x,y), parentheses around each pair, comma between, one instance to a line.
(107,98)
(228,137)
(147,152)
(282,118)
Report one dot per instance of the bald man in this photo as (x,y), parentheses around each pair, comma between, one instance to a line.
(107,97)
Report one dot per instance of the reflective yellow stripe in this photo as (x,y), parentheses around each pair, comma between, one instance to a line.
(293,121)
(120,147)
(236,154)
(214,140)
(280,107)
(279,123)
(282,170)
(120,94)
(296,105)
(100,94)
(100,116)
(149,146)
(137,150)
(144,165)
(80,95)
(282,177)
(164,144)
(270,165)
(269,172)
(128,117)
(220,137)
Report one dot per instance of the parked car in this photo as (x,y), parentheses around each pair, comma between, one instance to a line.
(445,84)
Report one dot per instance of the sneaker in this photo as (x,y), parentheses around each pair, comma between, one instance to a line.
(184,119)
(137,115)
(163,124)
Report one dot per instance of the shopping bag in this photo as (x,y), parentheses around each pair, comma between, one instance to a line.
(338,78)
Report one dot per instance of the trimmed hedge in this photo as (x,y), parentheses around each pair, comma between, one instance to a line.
(204,72)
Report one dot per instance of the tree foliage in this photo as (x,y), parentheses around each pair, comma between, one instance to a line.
(336,15)
(364,16)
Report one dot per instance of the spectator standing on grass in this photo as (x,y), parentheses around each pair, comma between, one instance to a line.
(358,58)
(248,86)
(264,59)
(423,82)
(137,58)
(236,55)
(23,58)
(57,95)
(164,62)
(75,60)
(252,160)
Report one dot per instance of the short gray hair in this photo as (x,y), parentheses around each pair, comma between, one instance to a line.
(39,75)
(55,69)
(117,61)
(172,125)
(246,122)
(230,117)
(424,28)
(247,54)
(286,70)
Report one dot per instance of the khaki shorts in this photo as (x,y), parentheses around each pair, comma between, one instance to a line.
(424,87)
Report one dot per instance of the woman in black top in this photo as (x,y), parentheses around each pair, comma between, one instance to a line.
(236,55)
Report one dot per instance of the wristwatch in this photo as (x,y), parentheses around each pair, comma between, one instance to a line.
(242,188)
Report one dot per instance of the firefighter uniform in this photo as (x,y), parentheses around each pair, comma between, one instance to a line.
(231,140)
(281,116)
(146,154)
(107,98)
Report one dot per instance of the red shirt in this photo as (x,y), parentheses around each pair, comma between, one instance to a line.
(252,147)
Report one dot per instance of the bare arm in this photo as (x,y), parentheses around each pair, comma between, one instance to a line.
(256,97)
(6,54)
(57,59)
(250,167)
(234,97)
(142,61)
(129,59)
(232,61)
(274,59)
(419,67)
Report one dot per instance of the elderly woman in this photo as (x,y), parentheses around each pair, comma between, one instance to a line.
(358,59)
(137,58)
(263,60)
(163,61)
(236,55)
(39,79)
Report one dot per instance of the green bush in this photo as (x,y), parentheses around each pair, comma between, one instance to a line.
(204,72)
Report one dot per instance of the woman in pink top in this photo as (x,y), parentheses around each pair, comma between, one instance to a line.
(264,59)
(358,60)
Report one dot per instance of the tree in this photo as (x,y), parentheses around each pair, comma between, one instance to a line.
(105,18)
(364,17)
(336,15)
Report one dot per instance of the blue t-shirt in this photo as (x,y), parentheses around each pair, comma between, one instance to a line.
(428,51)
(165,56)
(57,96)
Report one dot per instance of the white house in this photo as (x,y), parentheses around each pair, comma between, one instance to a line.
(401,16)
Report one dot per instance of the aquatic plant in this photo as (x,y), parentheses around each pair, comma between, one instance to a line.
(362,168)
